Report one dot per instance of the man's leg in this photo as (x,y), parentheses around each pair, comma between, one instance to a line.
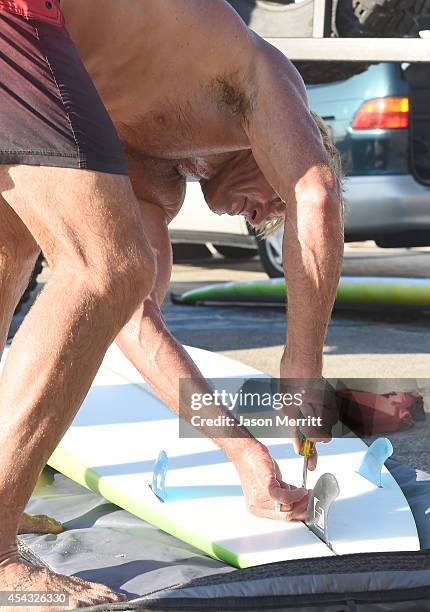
(90,230)
(18,254)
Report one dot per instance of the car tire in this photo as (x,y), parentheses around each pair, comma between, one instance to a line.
(350,18)
(270,250)
(390,18)
(235,252)
(371,19)
(185,252)
(32,284)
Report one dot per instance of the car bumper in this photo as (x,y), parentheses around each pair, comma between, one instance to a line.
(377,205)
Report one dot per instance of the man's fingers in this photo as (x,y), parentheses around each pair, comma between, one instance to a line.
(312,462)
(296,445)
(278,472)
(315,435)
(313,459)
(286,495)
(321,438)
(298,512)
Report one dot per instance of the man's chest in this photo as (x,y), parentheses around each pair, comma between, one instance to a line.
(169,128)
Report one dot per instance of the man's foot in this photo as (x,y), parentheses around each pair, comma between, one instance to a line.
(39,523)
(19,576)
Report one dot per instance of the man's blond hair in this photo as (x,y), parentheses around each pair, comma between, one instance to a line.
(269,226)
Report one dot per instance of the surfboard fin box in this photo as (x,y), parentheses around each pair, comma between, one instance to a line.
(375,457)
(158,486)
(323,495)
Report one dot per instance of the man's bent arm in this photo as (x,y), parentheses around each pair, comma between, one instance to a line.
(154,351)
(288,148)
(162,367)
(163,361)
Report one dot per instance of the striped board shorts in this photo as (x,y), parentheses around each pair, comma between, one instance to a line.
(50,111)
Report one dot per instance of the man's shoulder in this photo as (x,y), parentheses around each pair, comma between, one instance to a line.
(211,21)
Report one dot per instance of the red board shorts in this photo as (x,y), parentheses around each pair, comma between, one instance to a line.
(50,111)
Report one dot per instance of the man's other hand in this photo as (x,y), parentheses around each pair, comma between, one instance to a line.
(266,494)
(319,409)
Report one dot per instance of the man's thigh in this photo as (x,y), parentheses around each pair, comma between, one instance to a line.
(75,214)
(62,168)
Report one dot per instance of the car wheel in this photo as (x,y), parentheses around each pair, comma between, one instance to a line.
(372,19)
(270,250)
(184,251)
(235,252)
(389,18)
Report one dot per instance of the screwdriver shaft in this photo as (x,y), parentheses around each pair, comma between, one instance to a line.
(305,472)
(307,449)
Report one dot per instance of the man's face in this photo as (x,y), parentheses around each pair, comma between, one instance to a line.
(238,187)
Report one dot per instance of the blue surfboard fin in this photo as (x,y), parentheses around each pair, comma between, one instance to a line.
(375,457)
(159,476)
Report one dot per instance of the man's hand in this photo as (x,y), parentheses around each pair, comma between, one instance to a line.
(264,488)
(319,408)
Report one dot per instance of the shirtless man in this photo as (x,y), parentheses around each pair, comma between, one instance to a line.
(192,92)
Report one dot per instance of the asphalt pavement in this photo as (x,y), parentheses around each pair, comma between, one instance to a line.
(380,341)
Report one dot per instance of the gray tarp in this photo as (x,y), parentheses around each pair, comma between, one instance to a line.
(105,544)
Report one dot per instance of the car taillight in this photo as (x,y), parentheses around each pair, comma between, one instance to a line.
(382,113)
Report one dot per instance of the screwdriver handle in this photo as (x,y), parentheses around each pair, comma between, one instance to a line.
(307,447)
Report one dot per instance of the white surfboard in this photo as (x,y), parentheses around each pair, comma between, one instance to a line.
(121,428)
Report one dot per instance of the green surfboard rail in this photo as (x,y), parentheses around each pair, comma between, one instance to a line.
(353,289)
(66,463)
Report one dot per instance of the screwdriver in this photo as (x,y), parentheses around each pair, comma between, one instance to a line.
(307,449)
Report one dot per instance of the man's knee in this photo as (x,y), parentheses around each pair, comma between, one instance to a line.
(119,278)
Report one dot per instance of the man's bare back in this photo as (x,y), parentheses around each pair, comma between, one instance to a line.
(158,73)
(176,102)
